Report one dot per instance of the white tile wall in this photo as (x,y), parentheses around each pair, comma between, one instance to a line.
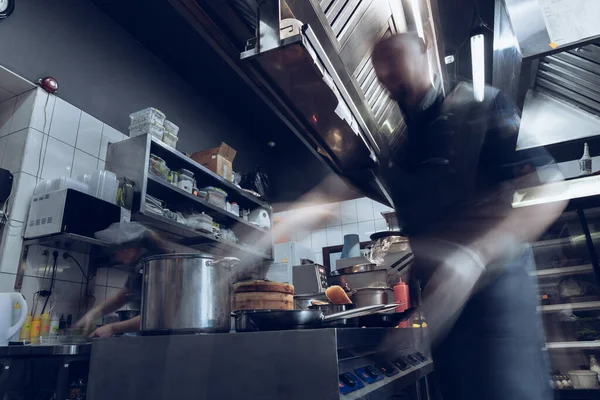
(65,122)
(89,134)
(364,209)
(83,163)
(43,110)
(23,111)
(109,135)
(360,216)
(10,250)
(7,107)
(23,186)
(58,159)
(48,138)
(348,210)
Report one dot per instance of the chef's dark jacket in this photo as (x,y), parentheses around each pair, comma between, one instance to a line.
(451,173)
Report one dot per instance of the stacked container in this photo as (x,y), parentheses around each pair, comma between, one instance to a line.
(149,120)
(170,136)
(153,121)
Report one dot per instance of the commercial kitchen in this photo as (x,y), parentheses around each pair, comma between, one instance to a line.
(189,208)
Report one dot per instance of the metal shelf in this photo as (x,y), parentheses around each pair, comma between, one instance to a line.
(583,306)
(552,272)
(165,191)
(69,242)
(577,394)
(195,239)
(207,177)
(574,345)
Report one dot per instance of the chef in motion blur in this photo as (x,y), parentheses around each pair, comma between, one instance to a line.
(451,175)
(137,242)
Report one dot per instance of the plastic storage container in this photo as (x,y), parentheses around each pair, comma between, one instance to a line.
(147,115)
(170,140)
(201,222)
(104,185)
(186,180)
(158,167)
(216,196)
(171,127)
(152,128)
(66,183)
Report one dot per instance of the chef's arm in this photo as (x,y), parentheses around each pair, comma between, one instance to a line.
(88,321)
(131,325)
(113,303)
(521,225)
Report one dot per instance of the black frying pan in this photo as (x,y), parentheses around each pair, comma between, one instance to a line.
(274,320)
(385,320)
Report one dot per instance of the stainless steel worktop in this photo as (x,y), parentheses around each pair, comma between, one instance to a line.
(298,364)
(46,350)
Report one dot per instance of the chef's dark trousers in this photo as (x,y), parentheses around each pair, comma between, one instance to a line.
(494,351)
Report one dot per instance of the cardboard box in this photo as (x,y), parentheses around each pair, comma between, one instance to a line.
(218,159)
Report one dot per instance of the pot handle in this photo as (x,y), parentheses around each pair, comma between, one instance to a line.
(359,312)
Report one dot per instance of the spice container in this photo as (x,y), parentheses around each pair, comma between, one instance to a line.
(186,180)
(151,128)
(148,115)
(171,127)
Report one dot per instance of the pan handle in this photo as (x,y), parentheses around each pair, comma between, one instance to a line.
(359,312)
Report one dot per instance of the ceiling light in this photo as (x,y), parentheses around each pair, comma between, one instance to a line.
(478,65)
(416,10)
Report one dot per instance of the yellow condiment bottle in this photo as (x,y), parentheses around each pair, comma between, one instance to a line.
(36,326)
(26,328)
(45,324)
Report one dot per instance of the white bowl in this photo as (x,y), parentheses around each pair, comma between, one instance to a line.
(584,379)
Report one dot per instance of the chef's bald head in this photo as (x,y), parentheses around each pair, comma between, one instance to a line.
(402,66)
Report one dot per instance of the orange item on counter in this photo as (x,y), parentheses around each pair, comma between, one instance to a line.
(337,295)
(402,298)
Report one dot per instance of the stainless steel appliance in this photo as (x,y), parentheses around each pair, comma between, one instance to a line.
(309,278)
(186,293)
(370,296)
(69,211)
(323,364)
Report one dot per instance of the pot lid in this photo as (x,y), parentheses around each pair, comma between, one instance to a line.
(263,286)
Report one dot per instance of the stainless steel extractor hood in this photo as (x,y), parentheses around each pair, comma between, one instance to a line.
(560,84)
(318,55)
(324,69)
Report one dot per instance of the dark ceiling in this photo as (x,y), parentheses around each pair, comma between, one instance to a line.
(291,167)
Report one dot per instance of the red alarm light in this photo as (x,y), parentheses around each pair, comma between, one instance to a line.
(49,84)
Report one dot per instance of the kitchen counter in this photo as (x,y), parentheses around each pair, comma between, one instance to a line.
(298,364)
(46,350)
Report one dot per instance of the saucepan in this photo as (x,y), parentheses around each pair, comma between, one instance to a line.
(274,320)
